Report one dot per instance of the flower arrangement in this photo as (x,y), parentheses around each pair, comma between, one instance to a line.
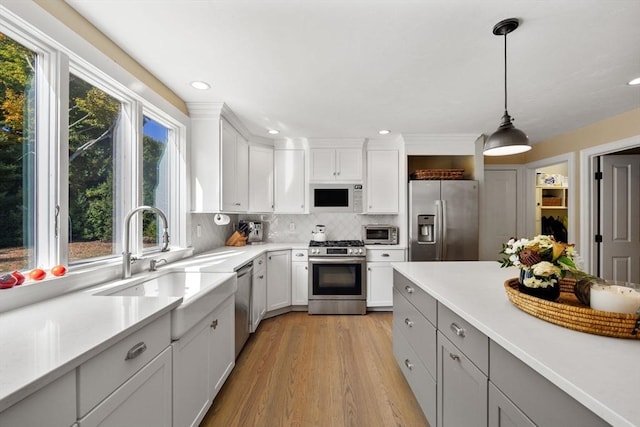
(542,260)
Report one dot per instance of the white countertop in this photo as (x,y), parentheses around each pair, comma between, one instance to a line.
(41,342)
(602,373)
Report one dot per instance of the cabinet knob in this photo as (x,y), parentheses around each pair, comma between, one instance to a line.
(458,330)
(237,204)
(136,351)
(385,255)
(306,268)
(409,289)
(408,364)
(214,324)
(261,276)
(408,322)
(299,254)
(454,357)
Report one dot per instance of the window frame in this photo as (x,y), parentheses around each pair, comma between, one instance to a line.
(51,213)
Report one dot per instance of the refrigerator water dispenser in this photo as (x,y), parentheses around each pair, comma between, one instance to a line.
(426,232)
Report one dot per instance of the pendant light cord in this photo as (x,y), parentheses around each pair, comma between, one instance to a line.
(505,73)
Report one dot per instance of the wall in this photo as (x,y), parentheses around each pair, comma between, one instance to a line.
(211,235)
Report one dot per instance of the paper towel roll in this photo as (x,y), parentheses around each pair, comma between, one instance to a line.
(221,219)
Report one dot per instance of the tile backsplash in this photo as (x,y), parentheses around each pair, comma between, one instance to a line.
(280,228)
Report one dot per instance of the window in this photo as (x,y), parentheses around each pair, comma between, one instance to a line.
(155,178)
(17,154)
(97,150)
(94,116)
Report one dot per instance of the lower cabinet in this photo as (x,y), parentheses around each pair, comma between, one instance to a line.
(143,400)
(462,388)
(202,360)
(299,277)
(258,291)
(503,412)
(278,279)
(380,276)
(54,405)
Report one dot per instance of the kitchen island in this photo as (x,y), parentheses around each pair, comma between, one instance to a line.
(598,372)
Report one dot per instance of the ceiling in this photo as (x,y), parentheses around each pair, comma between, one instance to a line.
(348,68)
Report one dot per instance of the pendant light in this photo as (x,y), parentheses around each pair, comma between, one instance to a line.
(507,139)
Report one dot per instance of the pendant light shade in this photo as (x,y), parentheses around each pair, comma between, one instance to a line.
(507,139)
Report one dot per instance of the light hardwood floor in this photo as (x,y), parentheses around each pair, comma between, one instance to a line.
(302,370)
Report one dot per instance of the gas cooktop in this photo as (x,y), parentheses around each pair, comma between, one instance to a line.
(337,243)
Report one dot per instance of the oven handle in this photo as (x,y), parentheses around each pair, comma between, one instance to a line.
(338,260)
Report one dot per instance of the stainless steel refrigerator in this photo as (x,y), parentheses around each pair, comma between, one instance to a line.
(443,220)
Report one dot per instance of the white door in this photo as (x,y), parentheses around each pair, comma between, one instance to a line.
(620,212)
(500,211)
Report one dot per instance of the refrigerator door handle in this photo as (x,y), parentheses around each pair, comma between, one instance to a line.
(443,228)
(438,230)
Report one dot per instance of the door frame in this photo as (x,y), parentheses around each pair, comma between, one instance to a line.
(530,186)
(587,191)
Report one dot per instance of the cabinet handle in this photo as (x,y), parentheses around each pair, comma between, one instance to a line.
(334,174)
(385,255)
(299,254)
(214,324)
(136,351)
(306,268)
(261,276)
(458,330)
(260,262)
(454,357)
(409,323)
(408,364)
(237,204)
(368,268)
(409,289)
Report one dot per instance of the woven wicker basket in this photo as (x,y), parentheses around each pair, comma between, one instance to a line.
(570,313)
(425,174)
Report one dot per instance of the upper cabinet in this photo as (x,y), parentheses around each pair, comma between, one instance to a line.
(383,177)
(219,163)
(335,164)
(235,169)
(289,181)
(260,179)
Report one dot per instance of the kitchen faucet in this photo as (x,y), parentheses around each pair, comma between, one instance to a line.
(127,260)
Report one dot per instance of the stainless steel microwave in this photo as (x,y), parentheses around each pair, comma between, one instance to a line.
(380,234)
(335,198)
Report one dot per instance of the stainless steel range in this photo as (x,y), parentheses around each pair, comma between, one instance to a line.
(337,277)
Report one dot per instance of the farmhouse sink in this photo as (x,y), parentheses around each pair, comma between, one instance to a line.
(201,293)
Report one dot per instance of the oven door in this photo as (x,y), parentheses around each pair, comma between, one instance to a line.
(337,278)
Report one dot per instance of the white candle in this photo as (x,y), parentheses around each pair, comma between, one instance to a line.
(615,298)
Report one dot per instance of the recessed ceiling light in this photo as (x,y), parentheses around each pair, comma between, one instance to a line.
(634,82)
(384,132)
(201,85)
(274,131)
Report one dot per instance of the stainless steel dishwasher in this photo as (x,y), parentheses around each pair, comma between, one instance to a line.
(243,305)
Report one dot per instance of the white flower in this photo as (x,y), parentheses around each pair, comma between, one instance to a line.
(546,269)
(537,282)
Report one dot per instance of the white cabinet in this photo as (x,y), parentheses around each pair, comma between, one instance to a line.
(299,277)
(383,177)
(260,179)
(380,276)
(258,291)
(143,400)
(335,164)
(54,405)
(289,181)
(235,169)
(278,279)
(202,360)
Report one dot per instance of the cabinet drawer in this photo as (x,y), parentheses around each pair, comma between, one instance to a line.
(473,343)
(421,383)
(101,375)
(425,303)
(407,320)
(380,255)
(260,263)
(541,400)
(299,255)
